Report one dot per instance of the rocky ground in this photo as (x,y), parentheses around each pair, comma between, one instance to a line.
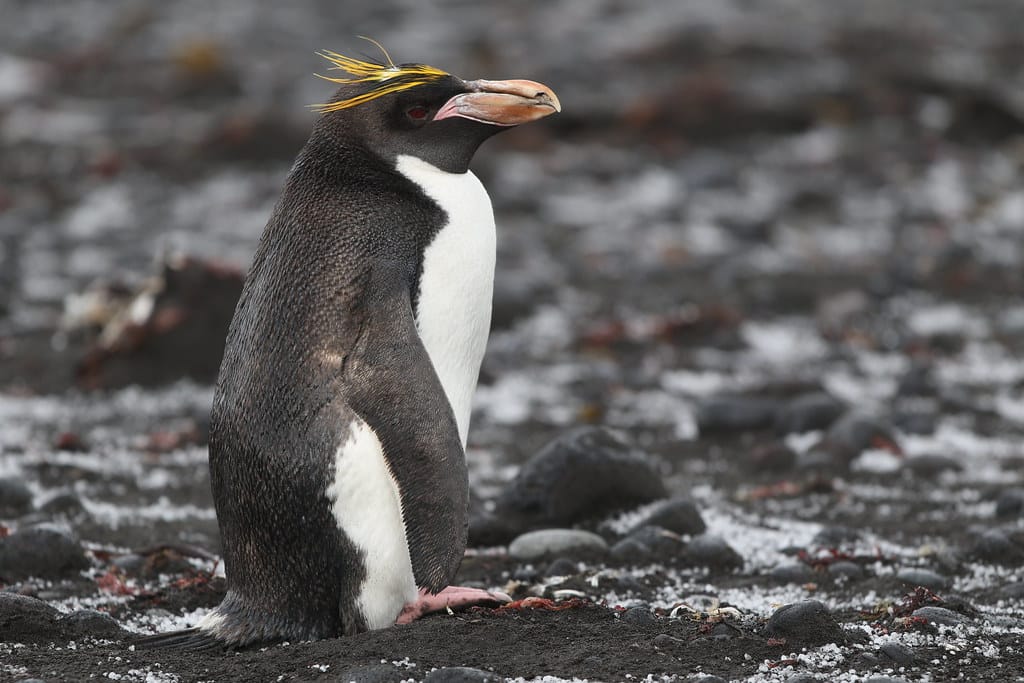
(753,403)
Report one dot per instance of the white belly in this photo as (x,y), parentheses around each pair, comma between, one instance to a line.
(454,317)
(457,282)
(366,506)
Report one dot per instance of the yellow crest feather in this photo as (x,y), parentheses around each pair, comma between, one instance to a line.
(384,78)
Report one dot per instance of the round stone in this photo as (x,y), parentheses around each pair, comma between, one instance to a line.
(939,615)
(922,577)
(807,622)
(548,542)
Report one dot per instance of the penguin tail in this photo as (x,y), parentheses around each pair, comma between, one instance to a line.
(185,639)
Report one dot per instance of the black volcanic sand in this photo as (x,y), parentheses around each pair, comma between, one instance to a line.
(777,247)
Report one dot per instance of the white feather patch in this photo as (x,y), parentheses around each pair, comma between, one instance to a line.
(457,283)
(367,507)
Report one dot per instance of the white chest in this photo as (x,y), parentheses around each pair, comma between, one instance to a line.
(457,282)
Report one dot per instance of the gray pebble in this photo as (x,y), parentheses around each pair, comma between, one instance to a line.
(856,432)
(679,515)
(807,622)
(996,547)
(710,679)
(15,497)
(579,475)
(735,413)
(792,573)
(1010,503)
(1012,591)
(885,679)
(664,640)
(802,678)
(939,615)
(658,541)
(562,566)
(373,673)
(930,465)
(713,552)
(808,412)
(462,674)
(630,550)
(847,570)
(131,564)
(27,620)
(44,551)
(548,542)
(836,536)
(922,577)
(88,622)
(64,505)
(639,616)
(899,653)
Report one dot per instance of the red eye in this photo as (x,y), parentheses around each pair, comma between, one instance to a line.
(417,113)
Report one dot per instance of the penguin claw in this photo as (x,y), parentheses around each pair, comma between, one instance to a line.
(452,597)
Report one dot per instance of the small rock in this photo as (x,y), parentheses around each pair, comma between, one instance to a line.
(802,678)
(847,570)
(90,623)
(885,679)
(836,536)
(916,422)
(547,542)
(373,673)
(712,552)
(898,653)
(856,432)
(773,457)
(27,620)
(856,635)
(664,640)
(657,541)
(732,414)
(15,497)
(807,623)
(792,573)
(44,551)
(1010,503)
(923,577)
(66,505)
(462,674)
(639,616)
(931,465)
(630,550)
(561,566)
(582,474)
(1012,591)
(679,515)
(710,679)
(918,381)
(939,615)
(996,547)
(808,412)
(131,564)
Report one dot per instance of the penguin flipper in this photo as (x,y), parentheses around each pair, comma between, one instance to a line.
(391,384)
(185,639)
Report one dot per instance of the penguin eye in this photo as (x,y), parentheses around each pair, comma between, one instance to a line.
(416,113)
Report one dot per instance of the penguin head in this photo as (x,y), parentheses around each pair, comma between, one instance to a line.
(417,110)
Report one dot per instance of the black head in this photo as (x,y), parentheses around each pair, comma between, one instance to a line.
(424,112)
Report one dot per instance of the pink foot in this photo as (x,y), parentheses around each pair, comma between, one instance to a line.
(452,597)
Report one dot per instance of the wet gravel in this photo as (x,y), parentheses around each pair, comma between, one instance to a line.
(753,401)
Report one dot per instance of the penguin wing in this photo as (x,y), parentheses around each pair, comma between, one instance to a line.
(391,384)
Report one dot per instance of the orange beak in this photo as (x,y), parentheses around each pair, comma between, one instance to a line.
(501,103)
